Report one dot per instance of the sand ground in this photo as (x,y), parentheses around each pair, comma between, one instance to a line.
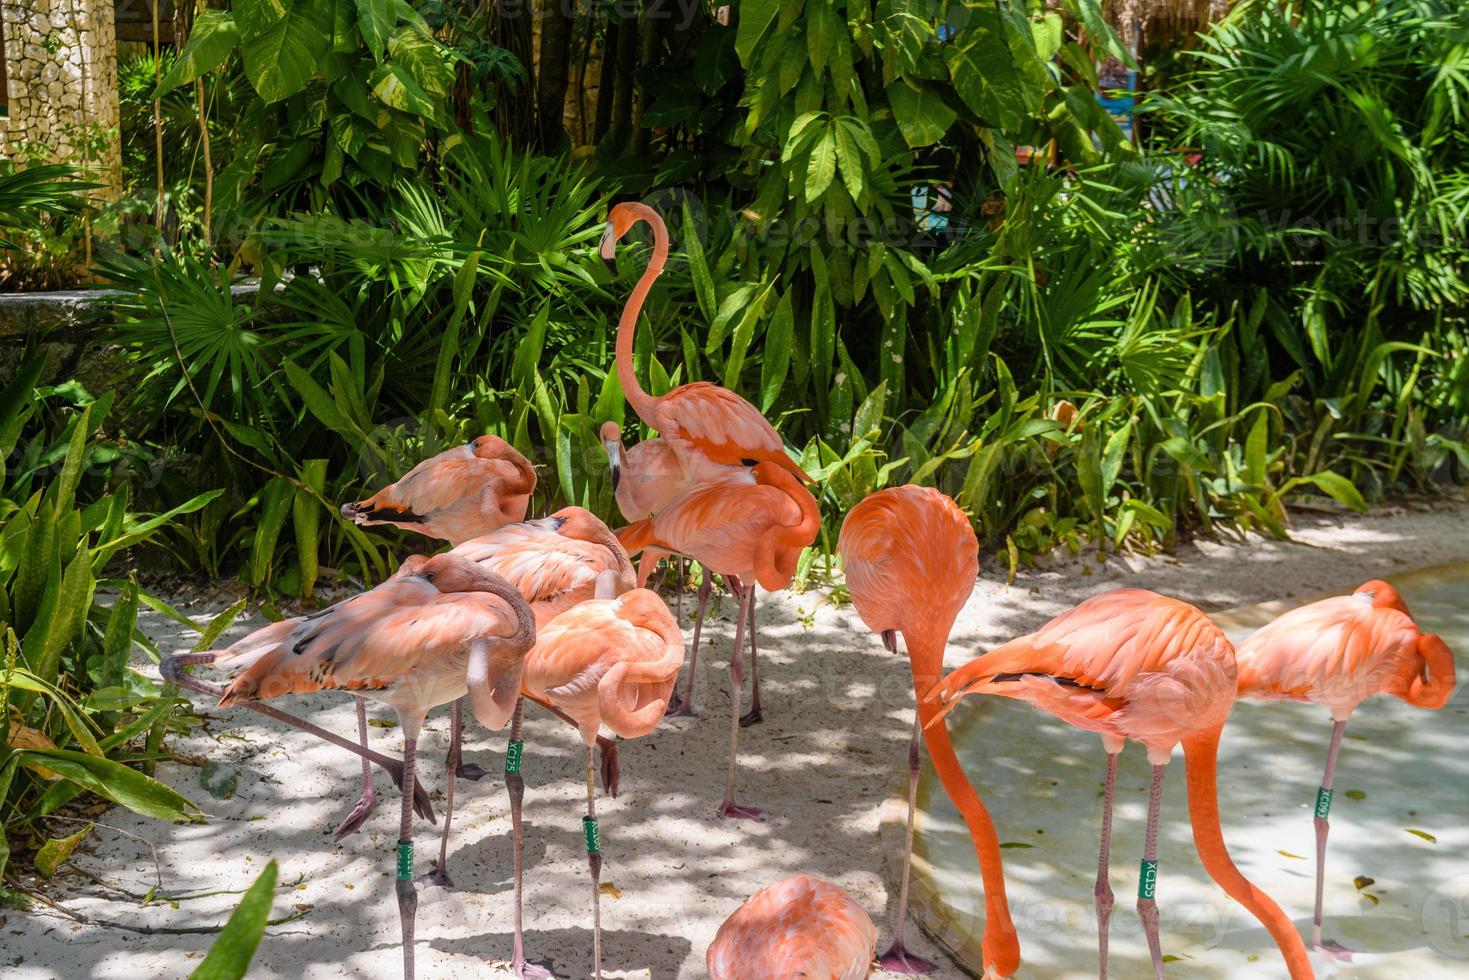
(837,720)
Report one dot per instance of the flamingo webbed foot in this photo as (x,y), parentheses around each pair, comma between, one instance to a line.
(610,768)
(421,803)
(898,960)
(470,771)
(532,971)
(1334,949)
(678,708)
(751,717)
(438,877)
(358,815)
(730,810)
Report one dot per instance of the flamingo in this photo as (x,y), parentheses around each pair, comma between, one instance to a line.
(1339,652)
(700,419)
(752,535)
(645,479)
(606,662)
(459,494)
(443,627)
(1134,664)
(456,495)
(911,559)
(799,927)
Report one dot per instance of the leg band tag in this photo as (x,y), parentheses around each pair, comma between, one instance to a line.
(1323,803)
(1147,881)
(405,860)
(513,754)
(593,835)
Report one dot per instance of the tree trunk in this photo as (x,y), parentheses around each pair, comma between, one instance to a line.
(647,52)
(606,81)
(514,111)
(627,56)
(551,78)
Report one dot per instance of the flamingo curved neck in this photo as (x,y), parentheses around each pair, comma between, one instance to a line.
(1200,759)
(642,403)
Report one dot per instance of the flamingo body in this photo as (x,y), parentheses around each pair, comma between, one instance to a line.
(460,493)
(799,927)
(1345,649)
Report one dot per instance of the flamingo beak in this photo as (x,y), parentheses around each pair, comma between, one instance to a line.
(614,457)
(608,249)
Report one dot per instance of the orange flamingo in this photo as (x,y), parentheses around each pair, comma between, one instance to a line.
(442,628)
(1339,652)
(698,418)
(459,494)
(752,535)
(799,927)
(645,479)
(606,662)
(911,560)
(1134,664)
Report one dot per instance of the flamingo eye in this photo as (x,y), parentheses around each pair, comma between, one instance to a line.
(429,576)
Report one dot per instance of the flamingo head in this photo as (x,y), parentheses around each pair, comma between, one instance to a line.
(612,441)
(491,447)
(1383,596)
(619,222)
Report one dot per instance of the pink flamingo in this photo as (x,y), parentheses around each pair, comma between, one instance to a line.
(799,927)
(1132,664)
(1339,652)
(605,662)
(456,495)
(911,560)
(440,629)
(645,479)
(459,494)
(751,535)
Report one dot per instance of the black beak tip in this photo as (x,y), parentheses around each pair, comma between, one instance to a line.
(616,477)
(348,511)
(611,263)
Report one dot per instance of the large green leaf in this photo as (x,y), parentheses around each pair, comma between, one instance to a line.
(983,70)
(112,780)
(282,42)
(923,116)
(375,21)
(211,40)
(755,16)
(229,957)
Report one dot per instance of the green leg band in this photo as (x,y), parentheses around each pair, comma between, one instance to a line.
(405,860)
(593,835)
(1147,881)
(514,752)
(1323,803)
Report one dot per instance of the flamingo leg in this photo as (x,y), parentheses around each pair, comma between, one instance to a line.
(611,768)
(897,959)
(455,761)
(407,894)
(1147,906)
(171,668)
(678,587)
(1103,890)
(367,802)
(515,787)
(594,862)
(684,707)
(753,716)
(727,807)
(1323,826)
(440,874)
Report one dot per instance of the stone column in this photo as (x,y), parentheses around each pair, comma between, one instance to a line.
(61,58)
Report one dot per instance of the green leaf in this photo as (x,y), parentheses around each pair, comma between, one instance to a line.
(221,622)
(212,39)
(282,41)
(1339,488)
(321,404)
(275,504)
(982,69)
(1112,456)
(1423,834)
(779,336)
(755,16)
(849,161)
(923,116)
(113,781)
(698,267)
(394,87)
(821,168)
(229,957)
(375,21)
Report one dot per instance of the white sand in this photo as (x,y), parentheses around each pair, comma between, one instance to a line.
(838,717)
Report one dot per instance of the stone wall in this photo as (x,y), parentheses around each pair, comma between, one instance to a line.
(61,59)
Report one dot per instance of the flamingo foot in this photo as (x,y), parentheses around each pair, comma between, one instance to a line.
(730,810)
(437,877)
(678,708)
(611,769)
(1334,949)
(470,771)
(421,803)
(751,717)
(898,960)
(532,971)
(355,819)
